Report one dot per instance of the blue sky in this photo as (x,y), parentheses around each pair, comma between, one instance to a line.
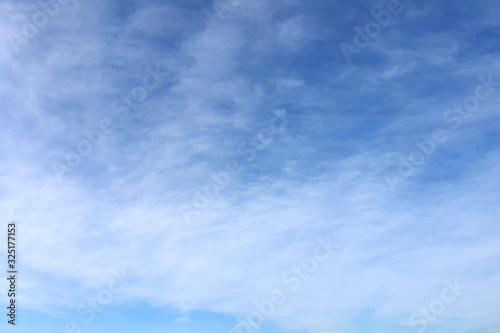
(237,166)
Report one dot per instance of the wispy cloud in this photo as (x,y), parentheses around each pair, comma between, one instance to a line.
(323,174)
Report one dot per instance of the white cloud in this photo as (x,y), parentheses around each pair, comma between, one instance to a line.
(121,206)
(182,320)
